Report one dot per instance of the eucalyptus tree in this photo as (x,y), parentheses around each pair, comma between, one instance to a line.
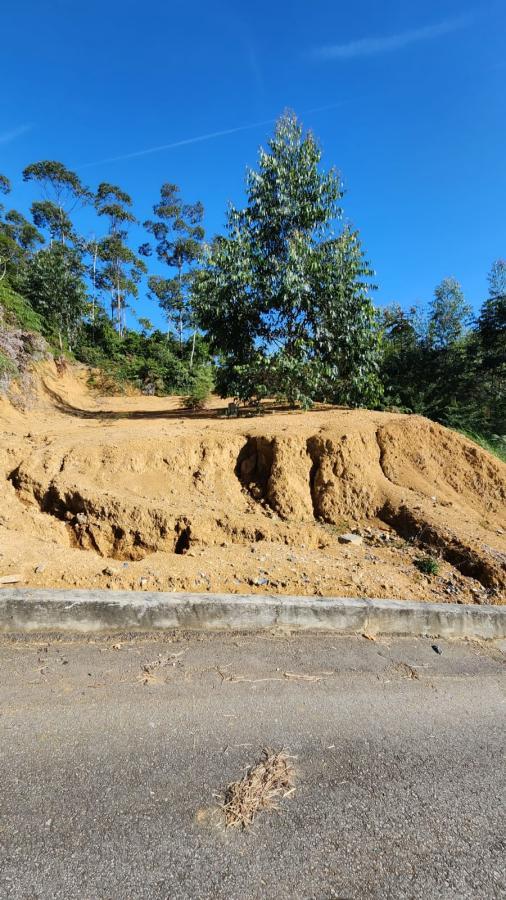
(178,239)
(285,297)
(119,268)
(63,192)
(450,315)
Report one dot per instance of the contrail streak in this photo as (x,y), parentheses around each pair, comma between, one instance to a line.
(198,139)
(7,136)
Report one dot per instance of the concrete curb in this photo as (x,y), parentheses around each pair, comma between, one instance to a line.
(31,609)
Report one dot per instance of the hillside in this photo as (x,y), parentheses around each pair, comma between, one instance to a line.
(133,492)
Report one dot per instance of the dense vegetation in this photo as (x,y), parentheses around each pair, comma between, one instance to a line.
(279,306)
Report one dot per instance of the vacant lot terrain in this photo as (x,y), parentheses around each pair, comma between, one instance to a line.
(133,492)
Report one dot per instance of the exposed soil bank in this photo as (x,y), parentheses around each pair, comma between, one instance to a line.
(132,492)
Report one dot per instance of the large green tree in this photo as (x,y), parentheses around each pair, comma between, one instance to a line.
(178,235)
(53,283)
(285,298)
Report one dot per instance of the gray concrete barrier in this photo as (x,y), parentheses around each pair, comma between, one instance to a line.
(33,609)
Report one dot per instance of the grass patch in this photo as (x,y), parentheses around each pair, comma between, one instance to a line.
(266,783)
(495,443)
(427,565)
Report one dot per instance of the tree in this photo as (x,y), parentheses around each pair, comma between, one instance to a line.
(120,270)
(178,235)
(283,298)
(53,283)
(18,237)
(492,345)
(18,240)
(63,192)
(492,318)
(450,315)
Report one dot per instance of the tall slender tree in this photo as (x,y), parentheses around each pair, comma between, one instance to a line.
(63,192)
(450,315)
(178,238)
(120,269)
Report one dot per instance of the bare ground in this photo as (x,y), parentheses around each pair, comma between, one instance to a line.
(133,492)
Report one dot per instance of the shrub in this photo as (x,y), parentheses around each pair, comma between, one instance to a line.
(428,565)
(201,389)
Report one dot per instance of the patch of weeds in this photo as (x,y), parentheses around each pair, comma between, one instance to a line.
(335,530)
(427,565)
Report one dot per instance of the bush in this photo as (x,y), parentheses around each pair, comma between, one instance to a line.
(17,311)
(201,389)
(428,565)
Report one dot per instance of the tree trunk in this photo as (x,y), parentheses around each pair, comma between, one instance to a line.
(193,347)
(180,268)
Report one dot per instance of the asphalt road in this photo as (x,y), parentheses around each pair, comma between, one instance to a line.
(109,770)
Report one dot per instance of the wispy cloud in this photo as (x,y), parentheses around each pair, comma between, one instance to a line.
(211,135)
(370,46)
(7,136)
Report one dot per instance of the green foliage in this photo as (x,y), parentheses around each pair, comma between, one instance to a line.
(178,235)
(495,443)
(283,299)
(449,314)
(456,375)
(53,283)
(7,367)
(150,362)
(63,191)
(201,389)
(17,311)
(428,565)
(120,269)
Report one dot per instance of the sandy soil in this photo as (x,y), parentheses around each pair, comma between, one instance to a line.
(133,492)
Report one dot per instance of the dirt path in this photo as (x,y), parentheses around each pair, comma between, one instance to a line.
(132,492)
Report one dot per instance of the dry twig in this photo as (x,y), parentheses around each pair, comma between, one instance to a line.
(270,780)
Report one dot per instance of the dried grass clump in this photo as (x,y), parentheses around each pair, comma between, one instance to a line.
(270,780)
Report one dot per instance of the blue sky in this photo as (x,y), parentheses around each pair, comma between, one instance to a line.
(408,100)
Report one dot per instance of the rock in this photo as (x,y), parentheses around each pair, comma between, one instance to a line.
(82,519)
(437,649)
(109,571)
(10,579)
(350,538)
(143,582)
(40,568)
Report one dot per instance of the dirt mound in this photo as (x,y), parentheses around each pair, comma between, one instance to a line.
(197,501)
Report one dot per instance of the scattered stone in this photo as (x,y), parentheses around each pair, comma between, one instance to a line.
(10,579)
(82,519)
(349,538)
(109,571)
(437,649)
(143,582)
(40,568)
